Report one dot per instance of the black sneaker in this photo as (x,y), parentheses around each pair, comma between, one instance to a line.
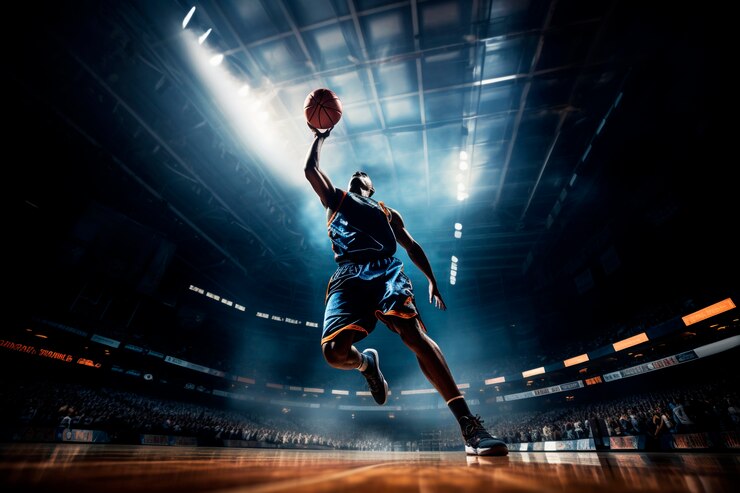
(477,439)
(376,382)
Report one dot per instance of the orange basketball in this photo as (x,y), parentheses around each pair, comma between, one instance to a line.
(322,108)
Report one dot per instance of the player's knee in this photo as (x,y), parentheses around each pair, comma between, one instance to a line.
(333,355)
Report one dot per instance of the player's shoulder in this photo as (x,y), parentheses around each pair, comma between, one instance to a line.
(394,215)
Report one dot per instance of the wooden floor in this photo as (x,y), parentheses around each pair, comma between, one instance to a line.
(113,469)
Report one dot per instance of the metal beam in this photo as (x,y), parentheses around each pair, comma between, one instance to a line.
(523,103)
(373,89)
(422,104)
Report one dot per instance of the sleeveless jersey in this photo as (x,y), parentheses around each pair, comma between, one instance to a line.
(360,230)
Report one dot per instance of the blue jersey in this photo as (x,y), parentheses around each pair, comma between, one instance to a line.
(360,230)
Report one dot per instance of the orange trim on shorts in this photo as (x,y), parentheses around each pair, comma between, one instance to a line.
(346,327)
(395,313)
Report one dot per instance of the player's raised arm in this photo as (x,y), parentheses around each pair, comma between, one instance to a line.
(321,183)
(418,257)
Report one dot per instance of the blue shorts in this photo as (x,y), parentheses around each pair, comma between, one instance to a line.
(359,295)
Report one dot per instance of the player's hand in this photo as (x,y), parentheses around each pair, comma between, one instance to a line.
(435,297)
(318,133)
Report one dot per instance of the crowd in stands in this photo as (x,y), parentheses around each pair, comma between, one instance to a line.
(125,415)
(708,408)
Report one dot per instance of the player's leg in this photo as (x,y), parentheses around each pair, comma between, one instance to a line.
(347,319)
(340,352)
(478,441)
(428,354)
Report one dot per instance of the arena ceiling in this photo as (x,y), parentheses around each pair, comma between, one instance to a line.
(571,140)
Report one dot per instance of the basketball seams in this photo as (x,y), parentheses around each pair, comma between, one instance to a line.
(322,108)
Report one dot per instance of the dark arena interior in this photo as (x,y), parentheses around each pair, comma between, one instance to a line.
(566,167)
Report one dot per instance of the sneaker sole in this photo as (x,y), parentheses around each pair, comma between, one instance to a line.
(385,384)
(500,450)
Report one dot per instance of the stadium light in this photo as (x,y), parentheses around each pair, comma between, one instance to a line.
(216,59)
(188,17)
(202,37)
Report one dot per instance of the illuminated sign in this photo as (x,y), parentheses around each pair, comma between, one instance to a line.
(47,353)
(576,360)
(491,381)
(630,341)
(88,362)
(708,312)
(663,363)
(21,348)
(534,371)
(686,356)
(105,341)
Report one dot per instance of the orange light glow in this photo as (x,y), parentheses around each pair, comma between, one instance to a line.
(576,360)
(533,371)
(491,381)
(630,341)
(709,311)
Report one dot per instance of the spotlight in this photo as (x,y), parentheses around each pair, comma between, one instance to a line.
(202,37)
(216,59)
(188,17)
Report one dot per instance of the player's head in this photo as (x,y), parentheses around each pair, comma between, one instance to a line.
(361,184)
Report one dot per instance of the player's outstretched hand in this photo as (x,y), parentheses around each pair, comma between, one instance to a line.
(319,133)
(435,298)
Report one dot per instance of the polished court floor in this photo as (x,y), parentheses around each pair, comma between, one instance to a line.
(114,468)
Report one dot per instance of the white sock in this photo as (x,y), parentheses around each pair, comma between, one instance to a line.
(363,363)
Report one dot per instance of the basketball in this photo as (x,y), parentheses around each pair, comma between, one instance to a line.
(322,108)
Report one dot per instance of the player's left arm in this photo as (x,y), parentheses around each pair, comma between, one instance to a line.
(417,256)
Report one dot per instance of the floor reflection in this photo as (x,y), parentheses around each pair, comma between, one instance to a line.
(82,468)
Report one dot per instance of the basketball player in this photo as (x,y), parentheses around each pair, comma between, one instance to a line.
(369,285)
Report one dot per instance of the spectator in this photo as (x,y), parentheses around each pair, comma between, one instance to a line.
(684,424)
